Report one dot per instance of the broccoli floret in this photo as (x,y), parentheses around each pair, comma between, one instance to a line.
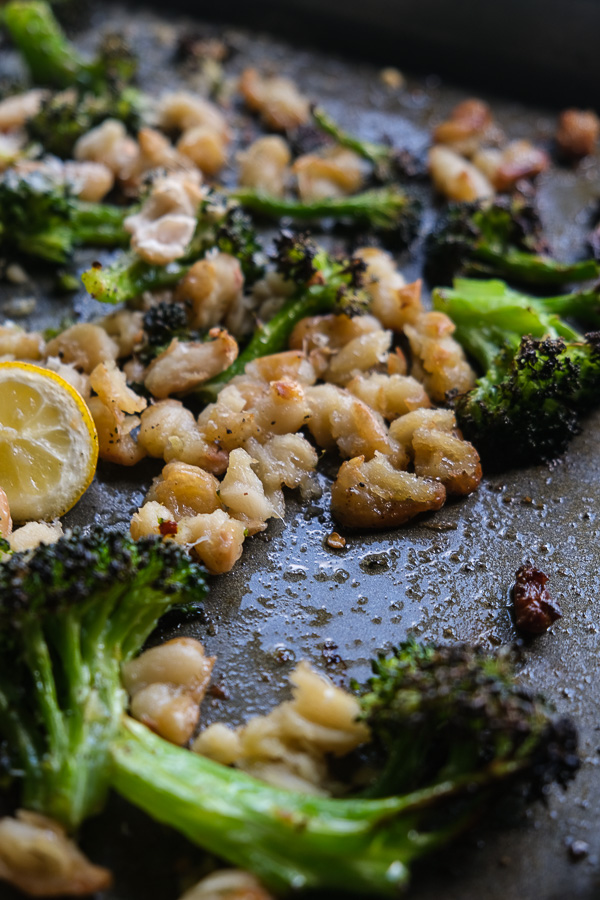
(219,225)
(51,58)
(456,729)
(323,285)
(452,723)
(386,208)
(65,116)
(162,323)
(70,614)
(39,217)
(237,236)
(451,710)
(89,91)
(165,321)
(500,239)
(540,374)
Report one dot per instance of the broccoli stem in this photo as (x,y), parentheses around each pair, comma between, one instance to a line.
(378,154)
(49,56)
(129,276)
(99,224)
(289,840)
(66,778)
(489,315)
(381,207)
(272,337)
(530,268)
(61,695)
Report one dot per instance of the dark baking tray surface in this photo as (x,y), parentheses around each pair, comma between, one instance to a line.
(444,577)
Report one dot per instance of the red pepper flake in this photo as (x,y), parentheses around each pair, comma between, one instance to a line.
(168,527)
(534,608)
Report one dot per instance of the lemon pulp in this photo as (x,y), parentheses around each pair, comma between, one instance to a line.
(48,442)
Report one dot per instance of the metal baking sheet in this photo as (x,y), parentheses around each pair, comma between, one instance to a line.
(445,577)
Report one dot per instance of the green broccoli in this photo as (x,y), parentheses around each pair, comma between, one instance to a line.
(323,284)
(451,709)
(39,217)
(219,225)
(540,374)
(162,323)
(89,91)
(455,729)
(500,239)
(70,614)
(382,156)
(386,208)
(67,115)
(53,61)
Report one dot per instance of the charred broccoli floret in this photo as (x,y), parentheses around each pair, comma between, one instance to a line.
(163,322)
(456,730)
(451,710)
(500,239)
(70,614)
(39,217)
(451,722)
(540,374)
(323,284)
(237,236)
(65,116)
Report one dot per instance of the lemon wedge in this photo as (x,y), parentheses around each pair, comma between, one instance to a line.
(48,442)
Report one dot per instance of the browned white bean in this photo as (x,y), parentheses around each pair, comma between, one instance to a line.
(339,418)
(457,178)
(439,361)
(15,110)
(109,383)
(277,100)
(470,123)
(32,534)
(182,110)
(374,494)
(185,490)
(389,395)
(110,145)
(186,364)
(38,858)
(205,147)
(20,344)
(167,685)
(170,431)
(265,165)
(83,345)
(335,173)
(162,229)
(577,133)
(115,440)
(211,287)
(228,884)
(216,539)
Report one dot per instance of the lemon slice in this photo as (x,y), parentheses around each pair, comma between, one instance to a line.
(48,442)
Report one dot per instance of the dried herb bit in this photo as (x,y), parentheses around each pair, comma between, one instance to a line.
(534,609)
